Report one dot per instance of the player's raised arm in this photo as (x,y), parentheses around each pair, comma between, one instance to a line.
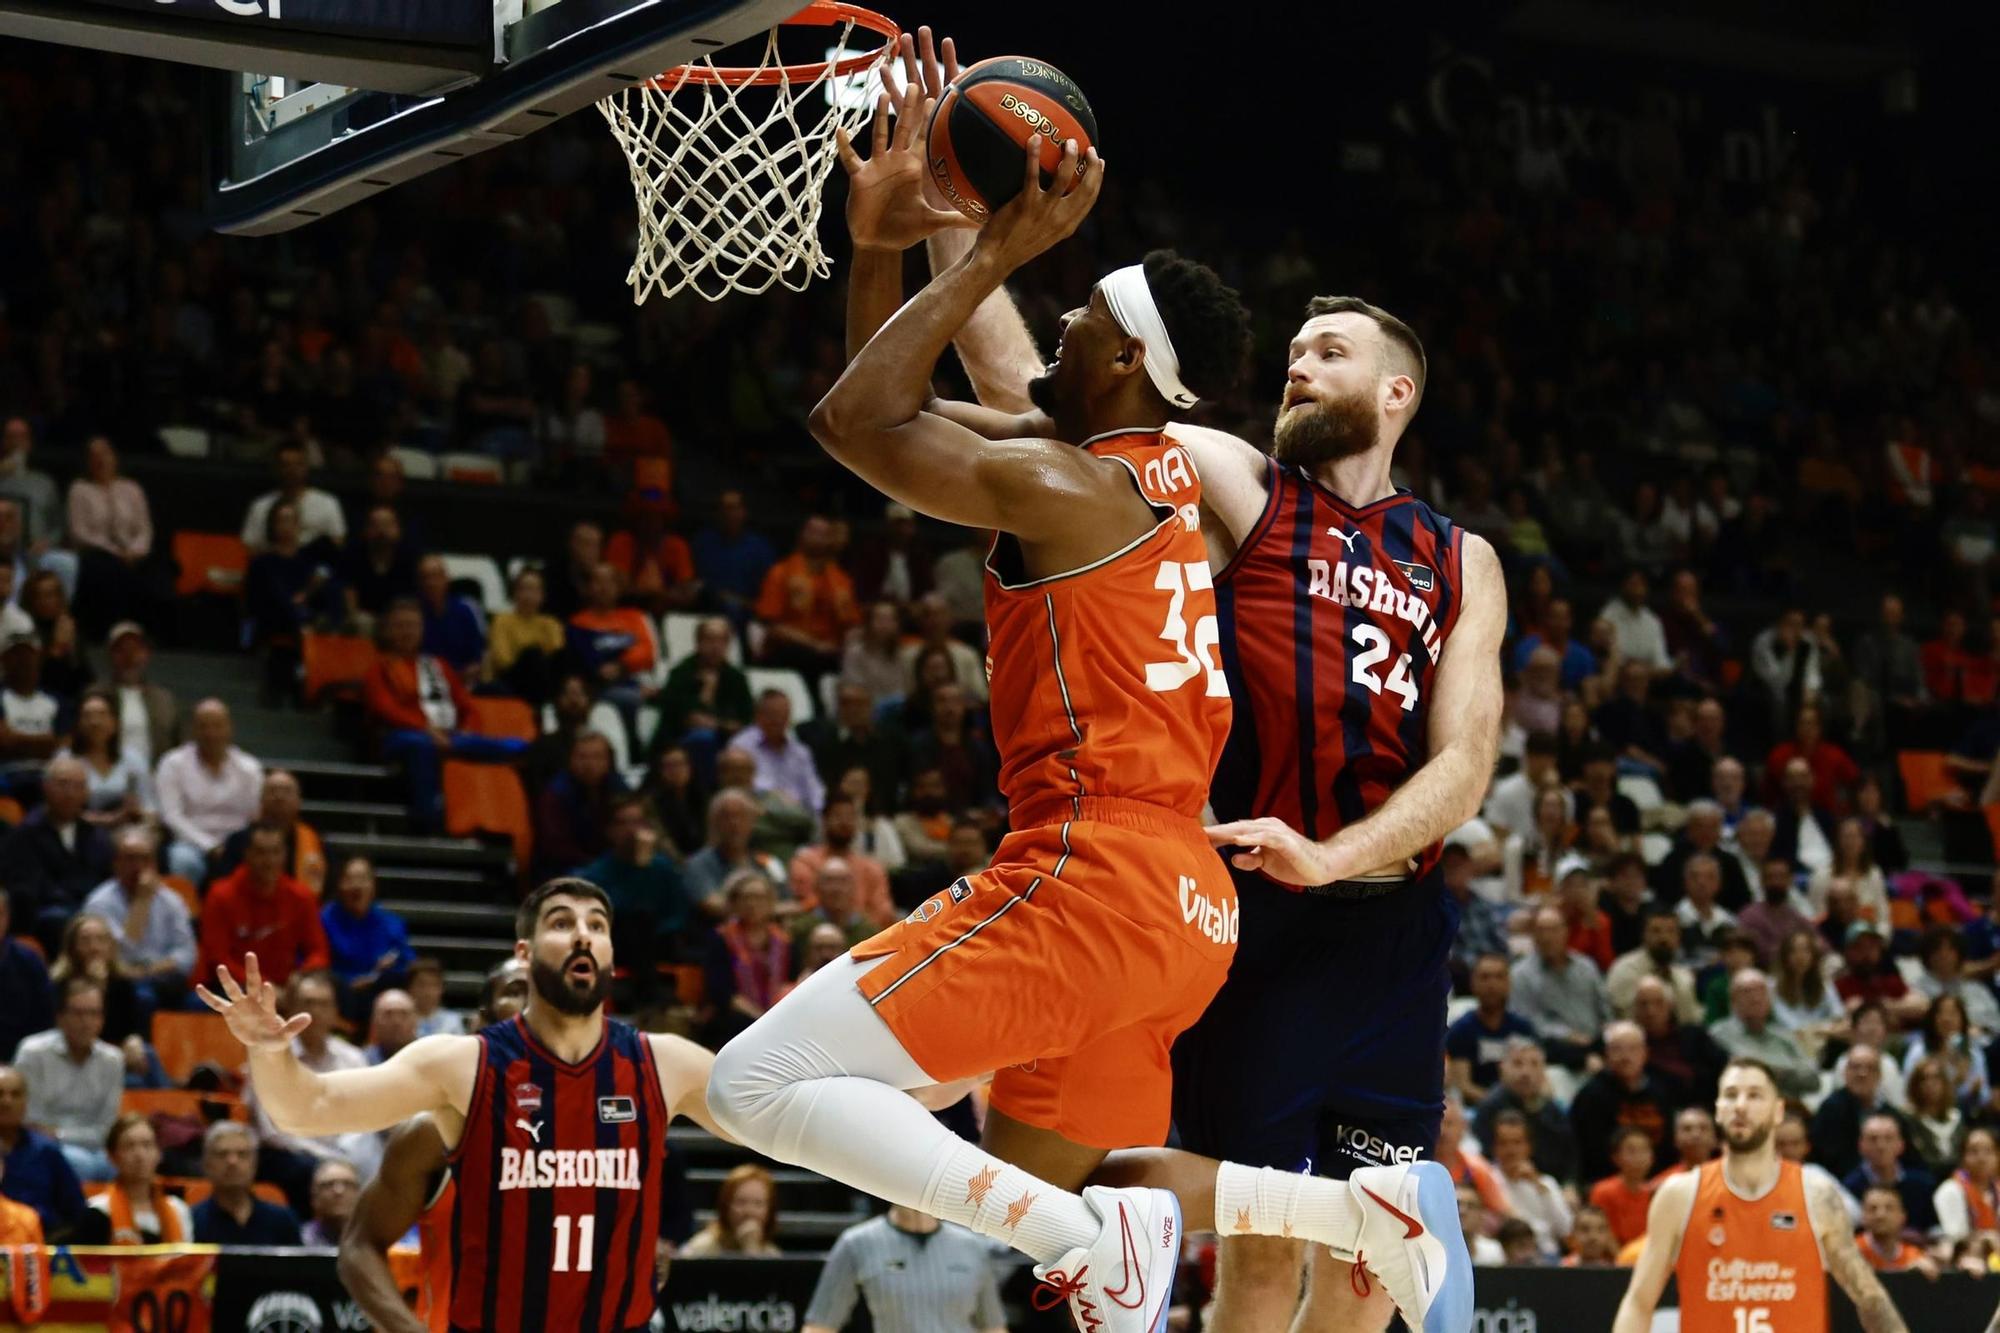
(1844,1261)
(388,1207)
(1441,795)
(888,211)
(429,1074)
(875,422)
(1666,1220)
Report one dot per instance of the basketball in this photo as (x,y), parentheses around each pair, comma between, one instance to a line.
(979,127)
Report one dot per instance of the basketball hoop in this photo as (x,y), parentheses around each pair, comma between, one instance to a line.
(728,192)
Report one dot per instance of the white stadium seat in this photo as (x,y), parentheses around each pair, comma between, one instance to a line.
(418,464)
(678,630)
(475,469)
(1642,791)
(186,441)
(482,570)
(793,685)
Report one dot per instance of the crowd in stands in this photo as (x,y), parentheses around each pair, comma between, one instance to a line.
(1691,849)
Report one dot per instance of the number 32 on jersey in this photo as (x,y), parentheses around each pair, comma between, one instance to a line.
(1191,658)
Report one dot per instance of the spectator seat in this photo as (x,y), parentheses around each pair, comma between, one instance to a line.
(186,441)
(193,1189)
(791,683)
(182,1102)
(418,464)
(1925,778)
(678,630)
(488,798)
(210,562)
(471,469)
(483,571)
(183,1039)
(335,662)
(501,718)
(185,890)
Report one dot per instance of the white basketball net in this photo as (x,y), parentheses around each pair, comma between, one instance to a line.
(729,194)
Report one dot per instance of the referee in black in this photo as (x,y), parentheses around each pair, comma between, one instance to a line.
(917,1275)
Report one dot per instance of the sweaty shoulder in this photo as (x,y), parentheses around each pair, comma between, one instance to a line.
(1234,475)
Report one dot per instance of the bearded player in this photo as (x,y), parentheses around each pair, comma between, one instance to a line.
(555,1123)
(1360,635)
(1106,921)
(1751,1238)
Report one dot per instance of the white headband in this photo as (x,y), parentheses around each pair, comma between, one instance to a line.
(1130,297)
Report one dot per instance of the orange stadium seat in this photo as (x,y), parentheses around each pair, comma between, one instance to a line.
(503,719)
(487,798)
(211,562)
(689,985)
(184,1039)
(185,890)
(335,662)
(1925,778)
(181,1102)
(193,1189)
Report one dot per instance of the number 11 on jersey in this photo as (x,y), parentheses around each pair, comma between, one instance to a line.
(586,1233)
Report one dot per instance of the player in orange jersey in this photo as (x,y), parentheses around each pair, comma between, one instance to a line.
(1751,1237)
(413,1188)
(1106,921)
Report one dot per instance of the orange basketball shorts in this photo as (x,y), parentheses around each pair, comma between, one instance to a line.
(1066,969)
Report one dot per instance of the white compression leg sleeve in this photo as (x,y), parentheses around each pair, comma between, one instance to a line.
(820,1081)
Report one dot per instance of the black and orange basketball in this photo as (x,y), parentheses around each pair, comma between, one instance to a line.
(982,123)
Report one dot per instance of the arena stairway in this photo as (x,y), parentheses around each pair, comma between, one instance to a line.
(812,1210)
(457,895)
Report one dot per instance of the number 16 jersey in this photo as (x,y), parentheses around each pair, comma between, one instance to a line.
(1333,621)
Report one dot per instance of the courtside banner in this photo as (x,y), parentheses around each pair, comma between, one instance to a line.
(466,23)
(129,1289)
(1570,1300)
(203,1289)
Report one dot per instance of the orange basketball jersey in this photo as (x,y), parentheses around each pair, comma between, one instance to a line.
(1106,681)
(1751,1266)
(425,1272)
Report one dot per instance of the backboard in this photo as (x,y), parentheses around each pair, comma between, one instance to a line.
(317,104)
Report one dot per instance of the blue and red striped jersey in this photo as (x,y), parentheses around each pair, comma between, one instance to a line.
(1333,620)
(558,1173)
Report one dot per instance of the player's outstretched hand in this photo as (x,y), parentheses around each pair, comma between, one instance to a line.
(1036,219)
(886,206)
(935,64)
(1276,848)
(251,1009)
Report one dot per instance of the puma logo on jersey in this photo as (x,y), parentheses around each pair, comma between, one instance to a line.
(533,1129)
(562,1168)
(1347,539)
(1370,589)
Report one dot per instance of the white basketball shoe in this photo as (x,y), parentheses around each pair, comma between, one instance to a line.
(1410,1240)
(1124,1283)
